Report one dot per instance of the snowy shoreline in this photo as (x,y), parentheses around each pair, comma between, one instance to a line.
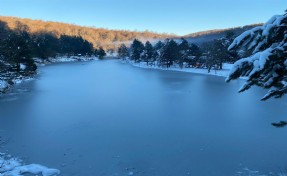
(5,85)
(221,73)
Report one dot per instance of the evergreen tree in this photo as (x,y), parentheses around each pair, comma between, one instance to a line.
(266,50)
(137,49)
(157,50)
(169,53)
(17,48)
(101,53)
(216,53)
(45,45)
(96,52)
(148,53)
(123,51)
(158,45)
(194,55)
(4,32)
(87,48)
(184,52)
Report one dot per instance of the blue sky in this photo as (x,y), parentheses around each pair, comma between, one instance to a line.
(171,16)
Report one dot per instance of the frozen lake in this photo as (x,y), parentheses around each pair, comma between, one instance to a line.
(106,118)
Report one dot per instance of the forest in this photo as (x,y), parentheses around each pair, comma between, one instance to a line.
(209,55)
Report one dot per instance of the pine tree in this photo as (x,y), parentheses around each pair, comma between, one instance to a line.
(17,48)
(101,53)
(183,52)
(45,45)
(137,49)
(169,53)
(158,45)
(157,50)
(148,53)
(194,55)
(123,51)
(265,48)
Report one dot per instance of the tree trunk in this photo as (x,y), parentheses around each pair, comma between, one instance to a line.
(220,65)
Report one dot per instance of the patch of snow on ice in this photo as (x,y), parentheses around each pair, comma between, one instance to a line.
(15,167)
(3,84)
(22,66)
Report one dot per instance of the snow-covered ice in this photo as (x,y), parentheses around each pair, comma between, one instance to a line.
(15,167)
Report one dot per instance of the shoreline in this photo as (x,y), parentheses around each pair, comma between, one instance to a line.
(13,165)
(6,85)
(220,73)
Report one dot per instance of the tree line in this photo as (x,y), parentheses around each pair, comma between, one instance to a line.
(18,46)
(99,37)
(236,30)
(169,52)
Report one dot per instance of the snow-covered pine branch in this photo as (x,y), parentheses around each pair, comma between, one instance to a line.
(266,62)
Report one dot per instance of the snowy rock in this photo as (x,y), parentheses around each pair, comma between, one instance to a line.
(4,86)
(23,66)
(15,167)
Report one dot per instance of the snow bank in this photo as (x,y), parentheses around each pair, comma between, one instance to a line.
(15,167)
(19,80)
(43,62)
(222,73)
(71,59)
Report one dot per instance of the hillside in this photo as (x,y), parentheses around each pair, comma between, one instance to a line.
(108,39)
(205,36)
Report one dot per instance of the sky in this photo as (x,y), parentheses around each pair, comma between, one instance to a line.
(170,16)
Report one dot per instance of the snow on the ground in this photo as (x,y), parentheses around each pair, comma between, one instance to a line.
(5,86)
(223,73)
(10,166)
(109,54)
(71,59)
(41,62)
(21,79)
